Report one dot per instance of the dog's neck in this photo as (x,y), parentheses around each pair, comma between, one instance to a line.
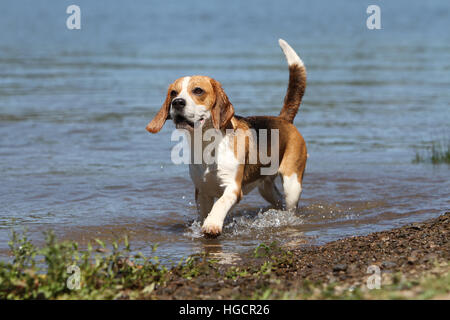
(199,138)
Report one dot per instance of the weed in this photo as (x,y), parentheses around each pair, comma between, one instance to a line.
(436,153)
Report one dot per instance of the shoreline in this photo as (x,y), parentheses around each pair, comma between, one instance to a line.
(338,269)
(411,261)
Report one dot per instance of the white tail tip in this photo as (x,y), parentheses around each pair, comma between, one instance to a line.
(291,55)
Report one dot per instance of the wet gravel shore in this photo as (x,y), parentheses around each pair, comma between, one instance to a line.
(408,252)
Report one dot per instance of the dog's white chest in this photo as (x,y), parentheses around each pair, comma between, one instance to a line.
(212,178)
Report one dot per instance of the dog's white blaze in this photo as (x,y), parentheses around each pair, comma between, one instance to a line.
(291,55)
(184,93)
(292,190)
(185,84)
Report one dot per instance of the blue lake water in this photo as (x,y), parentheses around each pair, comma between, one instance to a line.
(75,156)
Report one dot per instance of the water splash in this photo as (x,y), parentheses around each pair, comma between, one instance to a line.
(242,225)
(269,219)
(193,230)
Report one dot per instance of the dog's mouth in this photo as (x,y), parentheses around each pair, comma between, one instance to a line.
(183,123)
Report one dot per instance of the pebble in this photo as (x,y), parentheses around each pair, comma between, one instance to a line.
(339,267)
(388,264)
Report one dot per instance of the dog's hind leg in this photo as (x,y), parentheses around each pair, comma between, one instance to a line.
(291,169)
(270,193)
(292,187)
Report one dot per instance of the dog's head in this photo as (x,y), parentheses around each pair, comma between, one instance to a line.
(192,102)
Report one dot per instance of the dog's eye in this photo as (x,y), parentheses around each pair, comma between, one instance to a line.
(198,91)
(173,93)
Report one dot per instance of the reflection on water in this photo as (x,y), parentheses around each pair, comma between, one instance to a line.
(75,157)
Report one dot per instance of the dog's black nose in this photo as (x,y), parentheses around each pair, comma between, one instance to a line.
(179,103)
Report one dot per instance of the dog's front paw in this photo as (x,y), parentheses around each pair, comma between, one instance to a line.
(211,229)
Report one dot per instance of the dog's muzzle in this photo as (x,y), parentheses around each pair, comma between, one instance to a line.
(178,104)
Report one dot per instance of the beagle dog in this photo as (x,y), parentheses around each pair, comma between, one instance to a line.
(199,102)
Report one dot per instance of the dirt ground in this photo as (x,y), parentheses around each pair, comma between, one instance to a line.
(400,254)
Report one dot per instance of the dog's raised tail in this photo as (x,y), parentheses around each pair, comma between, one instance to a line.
(297,82)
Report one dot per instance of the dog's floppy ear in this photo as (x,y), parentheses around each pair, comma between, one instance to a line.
(163,114)
(222,111)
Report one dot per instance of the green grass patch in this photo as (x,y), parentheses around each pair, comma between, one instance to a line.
(60,270)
